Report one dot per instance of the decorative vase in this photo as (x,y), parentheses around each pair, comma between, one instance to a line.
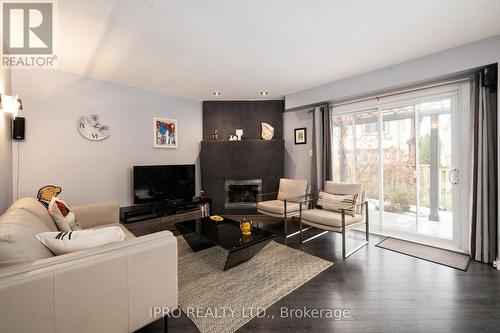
(239,134)
(246,226)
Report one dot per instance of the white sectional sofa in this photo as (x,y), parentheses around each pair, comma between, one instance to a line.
(111,288)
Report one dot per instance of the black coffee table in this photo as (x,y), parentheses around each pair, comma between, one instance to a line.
(202,234)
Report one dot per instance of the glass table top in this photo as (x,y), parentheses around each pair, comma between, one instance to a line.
(226,234)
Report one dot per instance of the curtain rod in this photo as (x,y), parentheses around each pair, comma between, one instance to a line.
(399,92)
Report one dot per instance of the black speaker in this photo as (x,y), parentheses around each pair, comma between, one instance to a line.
(18,128)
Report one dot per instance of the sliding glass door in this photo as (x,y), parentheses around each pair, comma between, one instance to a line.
(399,164)
(405,155)
(355,144)
(437,166)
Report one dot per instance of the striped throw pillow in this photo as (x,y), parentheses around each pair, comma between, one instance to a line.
(71,241)
(336,202)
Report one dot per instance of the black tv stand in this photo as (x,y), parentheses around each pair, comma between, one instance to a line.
(152,217)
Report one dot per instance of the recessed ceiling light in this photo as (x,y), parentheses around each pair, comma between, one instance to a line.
(217,93)
(264,93)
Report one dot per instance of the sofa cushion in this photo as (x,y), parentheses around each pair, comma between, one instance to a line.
(18,244)
(37,209)
(88,216)
(128,234)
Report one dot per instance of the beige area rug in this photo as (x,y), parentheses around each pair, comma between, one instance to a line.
(436,255)
(223,301)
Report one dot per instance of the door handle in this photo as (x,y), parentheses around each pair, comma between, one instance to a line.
(453,179)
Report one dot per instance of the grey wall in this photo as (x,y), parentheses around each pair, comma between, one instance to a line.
(297,157)
(480,53)
(5,146)
(55,153)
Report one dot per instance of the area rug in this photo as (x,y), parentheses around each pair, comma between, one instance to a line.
(436,255)
(223,301)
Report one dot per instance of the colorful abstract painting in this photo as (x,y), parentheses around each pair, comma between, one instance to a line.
(165,133)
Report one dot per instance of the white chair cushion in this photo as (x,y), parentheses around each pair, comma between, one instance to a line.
(294,189)
(342,188)
(329,218)
(277,207)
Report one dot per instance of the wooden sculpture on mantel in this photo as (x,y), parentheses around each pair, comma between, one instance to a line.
(267,131)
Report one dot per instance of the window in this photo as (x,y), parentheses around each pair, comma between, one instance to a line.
(405,168)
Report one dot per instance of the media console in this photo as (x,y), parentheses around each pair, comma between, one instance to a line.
(149,218)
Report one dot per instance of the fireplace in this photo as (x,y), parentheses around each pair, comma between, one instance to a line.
(223,161)
(242,193)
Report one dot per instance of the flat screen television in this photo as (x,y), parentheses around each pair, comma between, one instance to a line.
(158,183)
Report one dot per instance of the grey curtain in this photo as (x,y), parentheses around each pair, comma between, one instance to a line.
(484,186)
(321,148)
(326,169)
(314,157)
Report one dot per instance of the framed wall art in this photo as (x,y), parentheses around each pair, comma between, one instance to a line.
(300,136)
(164,133)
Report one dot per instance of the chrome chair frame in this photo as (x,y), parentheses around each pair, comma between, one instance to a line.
(345,254)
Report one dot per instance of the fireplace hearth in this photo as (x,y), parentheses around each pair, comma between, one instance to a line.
(242,193)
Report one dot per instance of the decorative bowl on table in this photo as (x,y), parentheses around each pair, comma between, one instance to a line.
(216,219)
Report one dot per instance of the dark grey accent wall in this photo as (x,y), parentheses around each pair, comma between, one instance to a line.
(227,116)
(251,159)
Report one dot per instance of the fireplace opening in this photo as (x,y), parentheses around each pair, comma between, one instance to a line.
(242,193)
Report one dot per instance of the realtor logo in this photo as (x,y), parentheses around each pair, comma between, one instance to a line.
(27,28)
(28,34)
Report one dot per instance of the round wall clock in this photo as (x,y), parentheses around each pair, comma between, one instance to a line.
(90,128)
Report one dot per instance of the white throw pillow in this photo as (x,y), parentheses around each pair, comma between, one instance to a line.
(63,215)
(71,241)
(336,202)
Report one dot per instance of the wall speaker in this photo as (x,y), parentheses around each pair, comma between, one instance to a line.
(18,128)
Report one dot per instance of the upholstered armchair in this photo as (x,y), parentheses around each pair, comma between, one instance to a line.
(338,220)
(287,202)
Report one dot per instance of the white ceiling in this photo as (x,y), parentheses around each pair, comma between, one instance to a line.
(191,48)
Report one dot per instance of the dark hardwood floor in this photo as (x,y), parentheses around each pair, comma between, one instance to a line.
(384,292)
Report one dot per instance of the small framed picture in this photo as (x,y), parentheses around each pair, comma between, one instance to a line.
(300,136)
(164,133)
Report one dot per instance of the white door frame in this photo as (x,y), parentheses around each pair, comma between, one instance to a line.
(461,122)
